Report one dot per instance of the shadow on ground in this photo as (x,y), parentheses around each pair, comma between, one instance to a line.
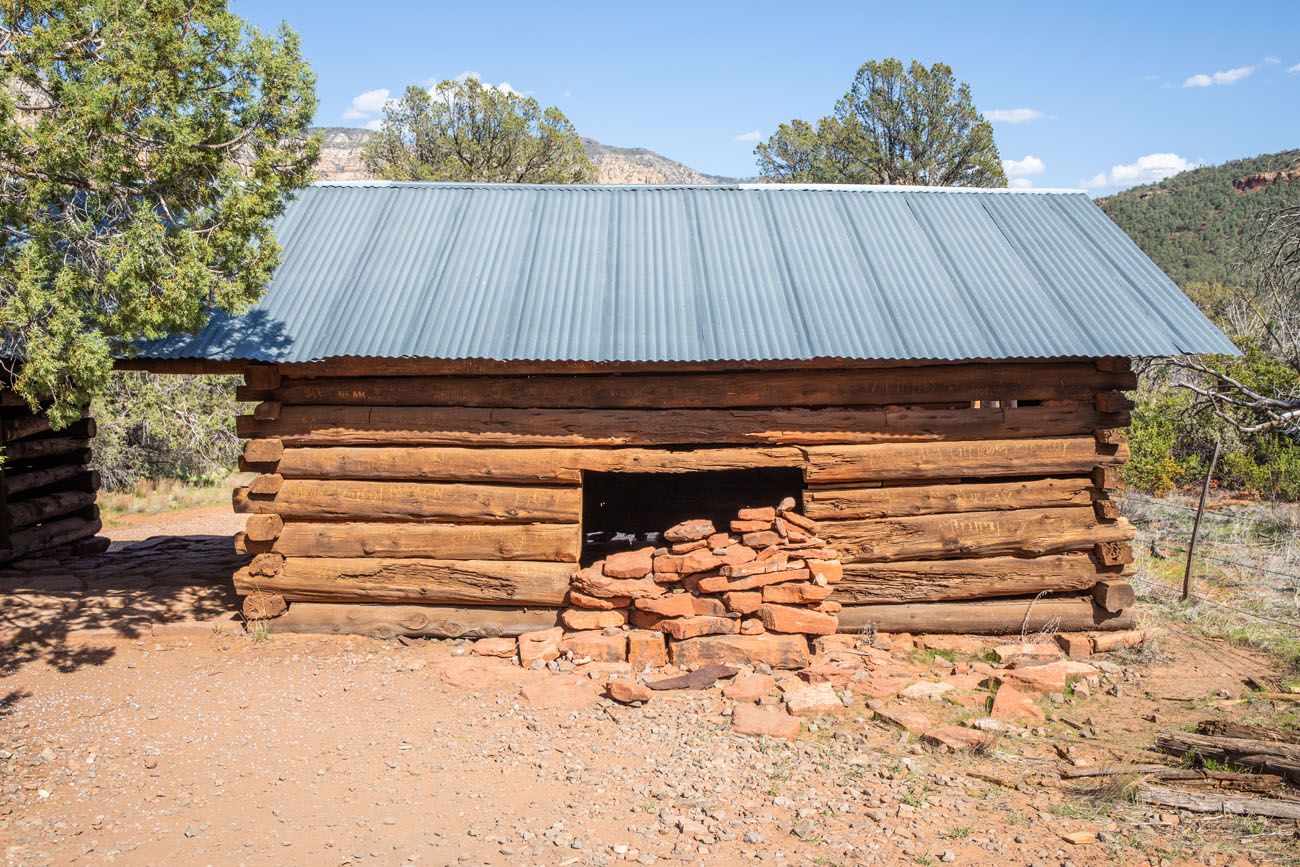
(53,610)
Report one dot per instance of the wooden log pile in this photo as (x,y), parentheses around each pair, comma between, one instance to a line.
(47,489)
(768,572)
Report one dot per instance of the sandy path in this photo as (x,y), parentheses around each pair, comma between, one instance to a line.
(206,521)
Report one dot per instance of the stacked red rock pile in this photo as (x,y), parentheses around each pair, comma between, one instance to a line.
(767,574)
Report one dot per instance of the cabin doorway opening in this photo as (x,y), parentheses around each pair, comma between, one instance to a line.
(623,511)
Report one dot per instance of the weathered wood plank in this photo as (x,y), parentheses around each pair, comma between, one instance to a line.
(32,449)
(45,508)
(432,621)
(935,580)
(521,465)
(1023,532)
(415,501)
(782,388)
(397,425)
(447,582)
(1057,455)
(822,504)
(51,535)
(71,475)
(542,542)
(984,617)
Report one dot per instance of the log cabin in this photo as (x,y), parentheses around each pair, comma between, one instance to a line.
(463,392)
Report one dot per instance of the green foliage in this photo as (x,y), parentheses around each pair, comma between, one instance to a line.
(464,130)
(145,148)
(153,427)
(896,125)
(1159,460)
(1196,225)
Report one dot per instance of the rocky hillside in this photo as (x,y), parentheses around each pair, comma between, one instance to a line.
(1198,225)
(340,160)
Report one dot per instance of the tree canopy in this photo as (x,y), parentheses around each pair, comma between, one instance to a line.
(145,148)
(895,125)
(465,130)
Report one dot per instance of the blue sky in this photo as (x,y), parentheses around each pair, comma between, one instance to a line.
(1101,95)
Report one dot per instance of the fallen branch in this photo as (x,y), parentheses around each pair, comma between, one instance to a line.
(1209,802)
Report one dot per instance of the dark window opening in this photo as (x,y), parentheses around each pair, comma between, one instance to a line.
(621,511)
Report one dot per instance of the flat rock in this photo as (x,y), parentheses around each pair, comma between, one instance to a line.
(1010,704)
(689,531)
(560,693)
(927,690)
(596,646)
(785,618)
(582,618)
(646,648)
(543,644)
(501,647)
(630,564)
(694,627)
(750,687)
(776,651)
(812,700)
(1008,652)
(750,719)
(957,738)
(908,720)
(955,643)
(628,691)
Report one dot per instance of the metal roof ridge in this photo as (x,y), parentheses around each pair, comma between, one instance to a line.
(743,186)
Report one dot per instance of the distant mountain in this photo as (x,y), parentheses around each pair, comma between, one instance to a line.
(1197,225)
(340,160)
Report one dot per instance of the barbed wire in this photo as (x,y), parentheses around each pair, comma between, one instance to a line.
(1293,624)
(1239,564)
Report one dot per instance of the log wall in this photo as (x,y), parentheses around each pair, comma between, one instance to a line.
(943,484)
(47,488)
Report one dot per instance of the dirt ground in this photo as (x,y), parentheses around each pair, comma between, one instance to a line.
(129,740)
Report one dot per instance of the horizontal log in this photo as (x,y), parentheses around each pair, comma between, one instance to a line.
(1219,804)
(415,501)
(73,476)
(840,504)
(1023,532)
(267,410)
(32,540)
(984,617)
(397,425)
(30,450)
(37,509)
(936,580)
(522,465)
(781,388)
(448,582)
(431,621)
(549,542)
(1070,455)
(26,426)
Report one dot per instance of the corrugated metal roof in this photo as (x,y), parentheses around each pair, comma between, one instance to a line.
(717,273)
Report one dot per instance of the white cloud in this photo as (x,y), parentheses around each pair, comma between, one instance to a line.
(1272,58)
(1226,76)
(1144,170)
(1030,165)
(1294,70)
(752,135)
(1014,115)
(374,123)
(1019,183)
(367,105)
(504,86)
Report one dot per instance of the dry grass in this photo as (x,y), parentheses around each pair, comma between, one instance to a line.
(1246,576)
(152,497)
